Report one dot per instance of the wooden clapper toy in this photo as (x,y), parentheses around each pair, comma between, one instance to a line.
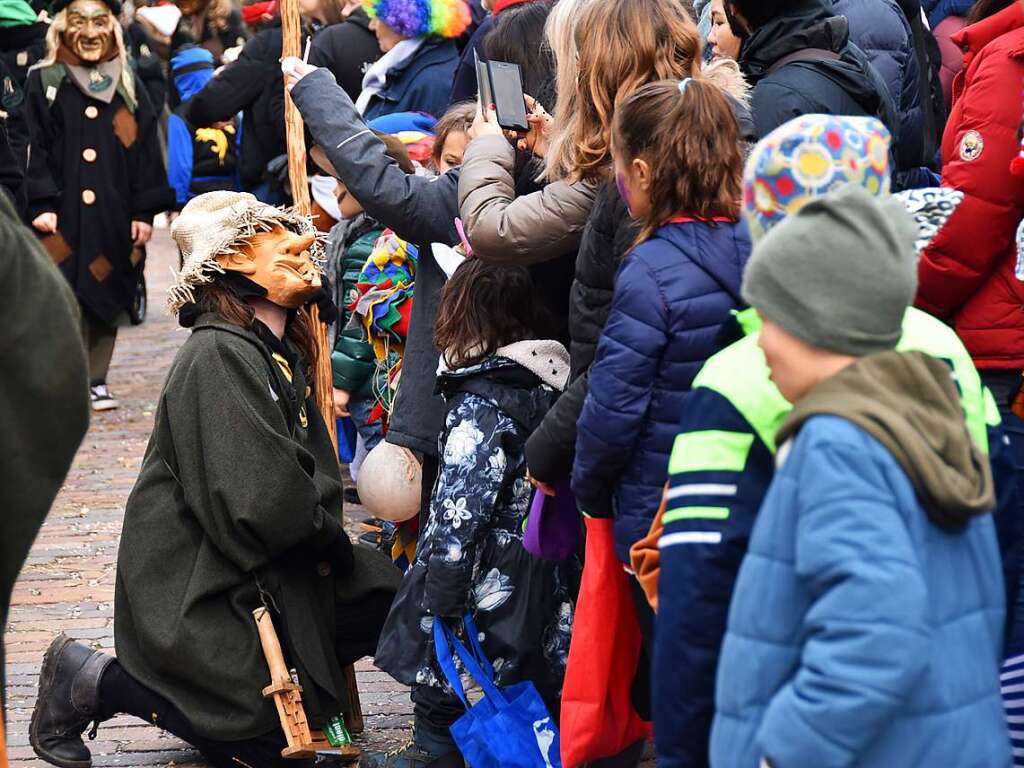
(303,742)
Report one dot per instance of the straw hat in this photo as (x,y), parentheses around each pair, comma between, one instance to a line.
(217,223)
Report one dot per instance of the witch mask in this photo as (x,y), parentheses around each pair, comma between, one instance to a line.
(90,31)
(280,262)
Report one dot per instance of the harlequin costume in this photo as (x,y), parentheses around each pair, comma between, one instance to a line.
(368,355)
(95,162)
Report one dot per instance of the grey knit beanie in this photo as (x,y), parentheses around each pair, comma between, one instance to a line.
(839,274)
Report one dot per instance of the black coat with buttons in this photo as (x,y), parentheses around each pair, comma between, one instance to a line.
(97,166)
(239,488)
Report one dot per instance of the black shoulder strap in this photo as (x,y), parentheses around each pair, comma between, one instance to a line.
(804,54)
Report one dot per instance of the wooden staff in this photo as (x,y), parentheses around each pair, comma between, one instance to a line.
(323,380)
(295,132)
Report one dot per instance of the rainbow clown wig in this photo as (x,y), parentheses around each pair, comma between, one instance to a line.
(421,18)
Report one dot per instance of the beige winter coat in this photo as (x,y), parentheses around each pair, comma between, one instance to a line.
(505,229)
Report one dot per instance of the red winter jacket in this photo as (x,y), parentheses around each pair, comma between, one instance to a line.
(966,276)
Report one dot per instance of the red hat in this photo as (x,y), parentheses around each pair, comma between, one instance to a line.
(255,11)
(502,5)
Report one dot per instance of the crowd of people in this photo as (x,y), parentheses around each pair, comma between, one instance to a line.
(696,406)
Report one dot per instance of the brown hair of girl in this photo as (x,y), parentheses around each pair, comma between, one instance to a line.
(982,9)
(458,119)
(218,299)
(485,307)
(691,140)
(622,46)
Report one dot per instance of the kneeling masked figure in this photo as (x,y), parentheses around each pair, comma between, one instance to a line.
(238,505)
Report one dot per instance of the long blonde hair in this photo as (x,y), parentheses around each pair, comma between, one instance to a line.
(560,34)
(619,46)
(53,41)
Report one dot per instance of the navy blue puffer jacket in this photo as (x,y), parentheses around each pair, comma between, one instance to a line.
(879,28)
(673,294)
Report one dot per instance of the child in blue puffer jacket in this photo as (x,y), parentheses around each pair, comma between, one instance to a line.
(198,159)
(866,624)
(679,166)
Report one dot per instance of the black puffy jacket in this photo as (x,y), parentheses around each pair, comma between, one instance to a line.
(347,49)
(846,86)
(609,234)
(20,47)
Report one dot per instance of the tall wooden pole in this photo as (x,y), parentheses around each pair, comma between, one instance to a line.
(323,380)
(291,31)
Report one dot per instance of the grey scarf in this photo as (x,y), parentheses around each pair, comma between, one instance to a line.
(99,82)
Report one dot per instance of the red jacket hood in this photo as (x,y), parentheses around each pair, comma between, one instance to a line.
(975,37)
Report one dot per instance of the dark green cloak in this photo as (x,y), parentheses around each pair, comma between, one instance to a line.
(240,482)
(44,394)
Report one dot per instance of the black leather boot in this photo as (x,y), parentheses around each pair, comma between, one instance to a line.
(69,699)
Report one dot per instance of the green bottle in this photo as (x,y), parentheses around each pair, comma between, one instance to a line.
(336,732)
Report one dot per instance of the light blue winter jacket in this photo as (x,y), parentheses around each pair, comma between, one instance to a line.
(860,633)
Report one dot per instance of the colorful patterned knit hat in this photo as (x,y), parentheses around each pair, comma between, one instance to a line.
(808,157)
(421,18)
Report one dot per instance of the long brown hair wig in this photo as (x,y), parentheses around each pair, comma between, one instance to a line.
(220,300)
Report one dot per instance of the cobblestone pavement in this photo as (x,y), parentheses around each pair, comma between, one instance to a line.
(68,582)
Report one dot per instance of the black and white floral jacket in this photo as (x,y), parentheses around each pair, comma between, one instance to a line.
(470,556)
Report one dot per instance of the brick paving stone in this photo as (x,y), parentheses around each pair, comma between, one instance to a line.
(68,582)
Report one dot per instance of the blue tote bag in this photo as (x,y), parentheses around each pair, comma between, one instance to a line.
(508,728)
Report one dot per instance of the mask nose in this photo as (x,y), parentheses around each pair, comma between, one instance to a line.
(303,243)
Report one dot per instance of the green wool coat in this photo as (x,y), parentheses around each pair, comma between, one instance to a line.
(44,394)
(240,485)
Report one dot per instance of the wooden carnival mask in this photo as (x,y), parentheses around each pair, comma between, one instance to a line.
(278,261)
(90,31)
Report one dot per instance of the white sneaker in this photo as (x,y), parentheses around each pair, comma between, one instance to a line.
(102,400)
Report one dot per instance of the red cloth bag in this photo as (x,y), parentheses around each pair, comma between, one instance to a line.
(598,719)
